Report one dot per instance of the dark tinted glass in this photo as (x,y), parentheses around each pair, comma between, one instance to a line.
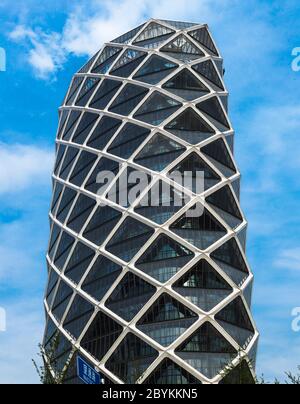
(193,164)
(186,85)
(157,108)
(236,314)
(164,259)
(75,86)
(79,262)
(101,335)
(230,259)
(128,140)
(101,277)
(225,205)
(155,70)
(56,196)
(203,37)
(190,127)
(159,153)
(169,372)
(183,49)
(212,107)
(128,99)
(53,240)
(106,59)
(82,210)
(161,203)
(52,282)
(61,301)
(219,156)
(64,248)
(166,320)
(207,351)
(236,322)
(203,286)
(103,132)
(83,167)
(65,204)
(78,316)
(129,238)
(105,93)
(207,339)
(86,91)
(101,224)
(84,128)
(128,62)
(129,297)
(72,121)
(201,231)
(239,375)
(62,121)
(209,72)
(153,35)
(68,162)
(131,359)
(104,164)
(59,156)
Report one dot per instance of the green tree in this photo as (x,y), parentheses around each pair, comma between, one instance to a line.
(48,372)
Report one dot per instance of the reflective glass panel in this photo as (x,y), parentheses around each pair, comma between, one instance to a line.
(159,153)
(164,259)
(103,132)
(101,224)
(105,94)
(203,37)
(189,126)
(129,297)
(186,85)
(129,238)
(128,99)
(157,108)
(155,69)
(128,62)
(101,277)
(131,359)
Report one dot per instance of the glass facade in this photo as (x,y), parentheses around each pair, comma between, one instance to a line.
(150,290)
(203,286)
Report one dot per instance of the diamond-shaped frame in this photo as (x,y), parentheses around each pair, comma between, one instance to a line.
(183,61)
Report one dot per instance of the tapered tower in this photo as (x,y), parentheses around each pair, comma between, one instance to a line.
(150,293)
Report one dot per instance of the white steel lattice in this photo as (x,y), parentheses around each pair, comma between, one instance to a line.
(83,144)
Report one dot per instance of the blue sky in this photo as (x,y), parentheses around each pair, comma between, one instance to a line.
(45,44)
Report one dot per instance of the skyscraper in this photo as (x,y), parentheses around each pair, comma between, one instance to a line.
(150,293)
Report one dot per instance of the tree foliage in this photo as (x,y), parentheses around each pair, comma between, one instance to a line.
(49,372)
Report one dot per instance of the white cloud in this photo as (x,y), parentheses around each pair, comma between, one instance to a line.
(19,344)
(85,33)
(23,166)
(289,259)
(87,28)
(270,134)
(45,53)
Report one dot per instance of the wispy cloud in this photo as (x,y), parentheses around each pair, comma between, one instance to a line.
(87,28)
(271,134)
(23,166)
(19,344)
(45,53)
(289,259)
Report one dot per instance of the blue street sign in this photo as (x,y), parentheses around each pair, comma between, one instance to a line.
(87,373)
